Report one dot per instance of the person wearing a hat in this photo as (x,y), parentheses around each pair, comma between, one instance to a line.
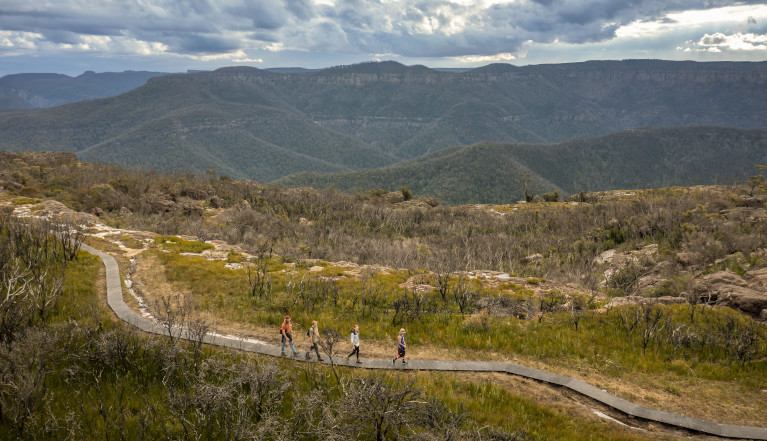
(314,339)
(286,330)
(401,346)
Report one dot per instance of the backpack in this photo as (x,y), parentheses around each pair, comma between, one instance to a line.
(308,331)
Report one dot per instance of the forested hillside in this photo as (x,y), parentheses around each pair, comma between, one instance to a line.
(496,173)
(22,91)
(258,124)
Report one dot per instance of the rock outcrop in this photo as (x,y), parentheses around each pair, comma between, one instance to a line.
(747,294)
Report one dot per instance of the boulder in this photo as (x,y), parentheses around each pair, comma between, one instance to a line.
(161,205)
(743,299)
(751,201)
(394,197)
(195,193)
(431,202)
(725,288)
(216,202)
(605,257)
(726,277)
(638,300)
(7,181)
(688,258)
(656,277)
(757,279)
(532,258)
(189,207)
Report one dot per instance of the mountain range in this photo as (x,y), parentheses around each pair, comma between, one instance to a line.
(266,125)
(34,90)
(30,90)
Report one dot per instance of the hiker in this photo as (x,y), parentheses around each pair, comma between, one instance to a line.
(286,331)
(401,346)
(314,339)
(355,344)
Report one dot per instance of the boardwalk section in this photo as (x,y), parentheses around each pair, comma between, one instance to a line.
(116,302)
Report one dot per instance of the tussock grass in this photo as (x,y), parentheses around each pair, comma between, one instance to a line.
(181,245)
(96,392)
(598,343)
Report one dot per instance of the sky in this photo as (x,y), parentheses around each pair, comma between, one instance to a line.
(73,36)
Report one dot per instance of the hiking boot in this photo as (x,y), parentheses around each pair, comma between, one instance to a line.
(347,360)
(307,356)
(404,362)
(393,360)
(295,354)
(358,361)
(320,359)
(283,354)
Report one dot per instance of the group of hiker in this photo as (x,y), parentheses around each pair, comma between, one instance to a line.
(286,331)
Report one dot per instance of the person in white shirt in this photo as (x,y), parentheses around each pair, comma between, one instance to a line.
(355,344)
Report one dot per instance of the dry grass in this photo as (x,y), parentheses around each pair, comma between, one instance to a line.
(575,406)
(721,401)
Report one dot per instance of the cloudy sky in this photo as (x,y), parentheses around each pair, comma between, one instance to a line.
(71,36)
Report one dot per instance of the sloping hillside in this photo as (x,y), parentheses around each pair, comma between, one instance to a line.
(375,114)
(195,126)
(493,173)
(48,90)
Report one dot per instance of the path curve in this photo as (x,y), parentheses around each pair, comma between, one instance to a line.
(116,302)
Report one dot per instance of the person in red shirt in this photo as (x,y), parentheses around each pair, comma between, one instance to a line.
(286,330)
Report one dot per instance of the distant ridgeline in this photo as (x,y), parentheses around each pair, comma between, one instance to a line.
(266,125)
(495,173)
(24,91)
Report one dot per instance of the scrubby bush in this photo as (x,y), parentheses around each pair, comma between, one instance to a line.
(552,196)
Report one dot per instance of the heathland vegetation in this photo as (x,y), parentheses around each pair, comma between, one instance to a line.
(624,290)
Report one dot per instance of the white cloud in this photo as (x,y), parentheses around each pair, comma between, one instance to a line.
(745,14)
(477,59)
(248,60)
(214,57)
(735,42)
(426,31)
(19,40)
(673,22)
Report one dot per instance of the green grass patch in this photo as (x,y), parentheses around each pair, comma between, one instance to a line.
(25,201)
(182,246)
(80,292)
(131,242)
(598,343)
(234,257)
(495,406)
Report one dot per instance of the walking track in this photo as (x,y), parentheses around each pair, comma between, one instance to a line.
(116,302)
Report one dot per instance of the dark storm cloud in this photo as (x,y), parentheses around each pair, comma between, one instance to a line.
(403,27)
(301,9)
(269,15)
(412,28)
(200,44)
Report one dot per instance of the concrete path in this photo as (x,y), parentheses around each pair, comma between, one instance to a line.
(116,302)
